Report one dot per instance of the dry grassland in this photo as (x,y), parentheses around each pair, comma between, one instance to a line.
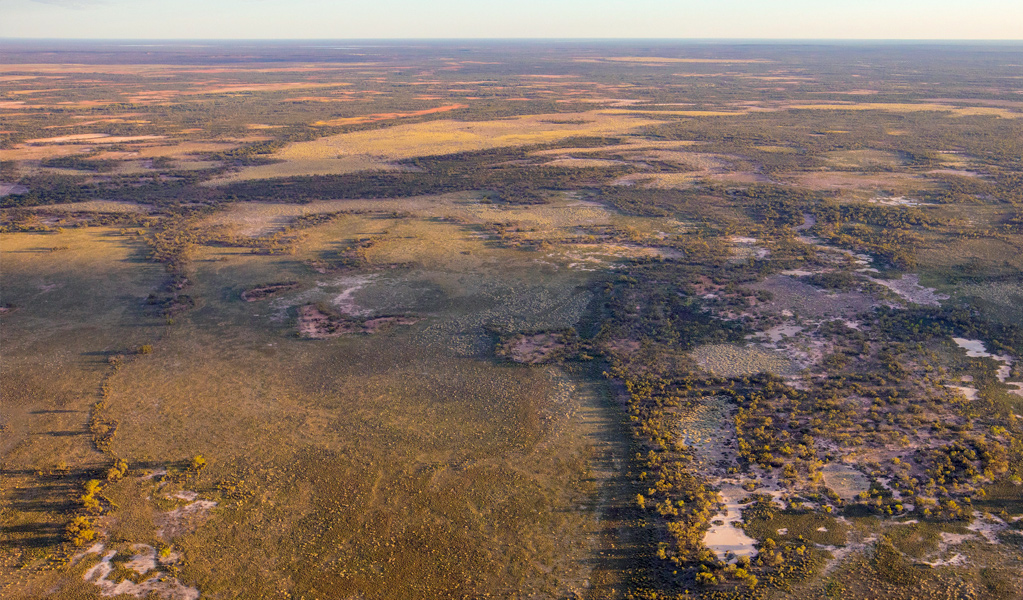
(828,180)
(729,360)
(859,159)
(378,148)
(96,206)
(956,111)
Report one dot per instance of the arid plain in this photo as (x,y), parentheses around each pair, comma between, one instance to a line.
(512,321)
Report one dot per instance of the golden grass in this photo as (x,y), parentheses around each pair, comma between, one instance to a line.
(101,206)
(378,148)
(447,137)
(863,158)
(909,107)
(582,162)
(776,149)
(145,149)
(78,295)
(406,460)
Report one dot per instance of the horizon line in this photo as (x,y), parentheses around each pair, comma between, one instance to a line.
(517,39)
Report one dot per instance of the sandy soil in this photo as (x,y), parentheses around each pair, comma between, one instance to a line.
(897,201)
(728,540)
(908,288)
(969,392)
(161,586)
(778,333)
(987,526)
(183,518)
(976,349)
(846,481)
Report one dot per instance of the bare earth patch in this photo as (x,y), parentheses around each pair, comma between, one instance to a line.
(183,518)
(143,562)
(315,324)
(909,288)
(846,481)
(533,349)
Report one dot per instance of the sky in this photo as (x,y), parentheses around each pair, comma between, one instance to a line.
(394,19)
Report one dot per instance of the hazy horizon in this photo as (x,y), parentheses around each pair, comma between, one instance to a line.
(526,19)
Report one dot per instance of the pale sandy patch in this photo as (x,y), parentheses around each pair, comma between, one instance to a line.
(908,288)
(95,138)
(846,481)
(976,349)
(160,586)
(897,201)
(777,334)
(970,393)
(959,172)
(728,539)
(988,526)
(183,518)
(345,301)
(582,162)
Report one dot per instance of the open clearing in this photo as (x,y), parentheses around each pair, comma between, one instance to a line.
(379,148)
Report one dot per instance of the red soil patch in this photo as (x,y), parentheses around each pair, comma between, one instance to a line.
(534,349)
(315,324)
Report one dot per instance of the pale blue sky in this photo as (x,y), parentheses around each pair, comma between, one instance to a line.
(339,19)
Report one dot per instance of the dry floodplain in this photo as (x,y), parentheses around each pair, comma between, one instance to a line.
(511,321)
